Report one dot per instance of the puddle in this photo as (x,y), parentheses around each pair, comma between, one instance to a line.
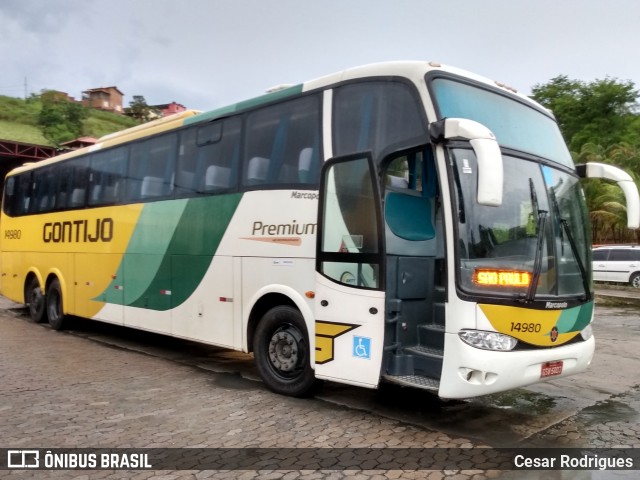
(530,403)
(609,411)
(500,420)
(233,381)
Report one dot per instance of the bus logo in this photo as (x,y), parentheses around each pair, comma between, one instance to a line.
(326,333)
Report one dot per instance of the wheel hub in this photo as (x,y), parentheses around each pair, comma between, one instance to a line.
(283,350)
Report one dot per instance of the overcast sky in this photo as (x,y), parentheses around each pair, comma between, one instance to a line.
(208,53)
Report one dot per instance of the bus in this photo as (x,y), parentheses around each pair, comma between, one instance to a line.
(404,222)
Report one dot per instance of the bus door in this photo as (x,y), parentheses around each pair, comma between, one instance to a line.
(349,296)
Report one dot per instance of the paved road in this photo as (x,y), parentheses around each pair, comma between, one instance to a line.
(61,390)
(104,386)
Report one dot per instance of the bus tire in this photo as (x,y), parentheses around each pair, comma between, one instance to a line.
(35,300)
(281,350)
(55,312)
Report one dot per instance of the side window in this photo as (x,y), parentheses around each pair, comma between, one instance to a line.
(71,184)
(350,224)
(43,195)
(209,157)
(283,144)
(620,255)
(411,186)
(373,115)
(107,177)
(59,187)
(10,197)
(152,168)
(600,255)
(405,174)
(17,194)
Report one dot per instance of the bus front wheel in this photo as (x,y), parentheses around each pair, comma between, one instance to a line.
(281,350)
(55,312)
(34,298)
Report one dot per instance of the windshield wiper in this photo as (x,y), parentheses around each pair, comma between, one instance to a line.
(540,231)
(537,263)
(564,226)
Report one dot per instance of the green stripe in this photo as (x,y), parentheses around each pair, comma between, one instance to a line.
(246,104)
(575,319)
(171,249)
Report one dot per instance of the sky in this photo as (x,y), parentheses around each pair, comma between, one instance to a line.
(206,54)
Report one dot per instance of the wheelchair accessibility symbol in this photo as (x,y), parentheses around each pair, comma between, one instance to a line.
(362,347)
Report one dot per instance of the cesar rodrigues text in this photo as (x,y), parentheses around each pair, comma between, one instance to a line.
(572,462)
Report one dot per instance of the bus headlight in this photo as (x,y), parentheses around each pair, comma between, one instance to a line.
(488,340)
(587,332)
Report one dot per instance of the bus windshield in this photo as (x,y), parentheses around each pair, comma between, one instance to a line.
(535,246)
(514,124)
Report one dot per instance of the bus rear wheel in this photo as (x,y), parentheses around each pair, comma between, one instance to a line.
(55,312)
(281,350)
(35,299)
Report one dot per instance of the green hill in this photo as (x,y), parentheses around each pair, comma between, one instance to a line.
(19,121)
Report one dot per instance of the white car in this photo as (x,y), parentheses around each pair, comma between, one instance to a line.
(617,263)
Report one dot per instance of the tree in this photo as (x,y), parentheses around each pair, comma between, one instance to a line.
(605,200)
(601,112)
(60,119)
(139,109)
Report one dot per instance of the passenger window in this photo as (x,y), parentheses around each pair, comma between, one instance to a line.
(43,195)
(59,187)
(17,194)
(107,177)
(152,168)
(283,144)
(374,115)
(208,158)
(71,188)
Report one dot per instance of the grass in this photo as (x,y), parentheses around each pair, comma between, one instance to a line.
(21,132)
(19,121)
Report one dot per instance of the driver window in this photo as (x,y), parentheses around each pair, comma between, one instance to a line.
(410,189)
(405,173)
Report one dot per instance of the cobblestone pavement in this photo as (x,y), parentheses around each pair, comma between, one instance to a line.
(60,390)
(65,391)
(614,423)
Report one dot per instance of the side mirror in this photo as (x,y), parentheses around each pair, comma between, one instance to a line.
(624,181)
(486,148)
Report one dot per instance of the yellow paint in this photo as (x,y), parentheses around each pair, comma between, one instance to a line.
(84,268)
(505,318)
(326,333)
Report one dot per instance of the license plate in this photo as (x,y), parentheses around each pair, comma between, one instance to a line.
(551,369)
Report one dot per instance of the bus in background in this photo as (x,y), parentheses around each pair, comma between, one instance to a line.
(405,222)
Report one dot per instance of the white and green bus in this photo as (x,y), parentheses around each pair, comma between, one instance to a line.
(403,222)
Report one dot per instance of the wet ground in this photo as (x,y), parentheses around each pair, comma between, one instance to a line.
(597,409)
(571,410)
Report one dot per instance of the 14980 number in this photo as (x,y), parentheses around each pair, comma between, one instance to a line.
(526,327)
(12,234)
